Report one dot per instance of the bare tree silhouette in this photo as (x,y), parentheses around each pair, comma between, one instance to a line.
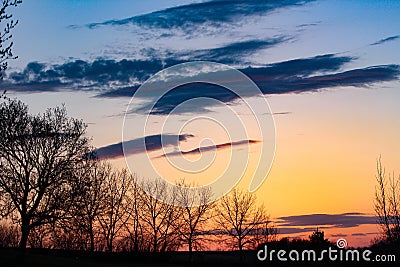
(90,190)
(63,234)
(38,156)
(387,205)
(137,237)
(239,216)
(193,217)
(158,216)
(115,210)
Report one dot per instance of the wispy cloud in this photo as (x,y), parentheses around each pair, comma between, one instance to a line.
(385,40)
(140,145)
(338,235)
(211,148)
(195,15)
(282,113)
(295,230)
(359,234)
(232,53)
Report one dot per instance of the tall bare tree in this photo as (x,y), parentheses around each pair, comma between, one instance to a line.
(115,213)
(387,205)
(239,215)
(38,155)
(158,216)
(89,202)
(137,239)
(195,211)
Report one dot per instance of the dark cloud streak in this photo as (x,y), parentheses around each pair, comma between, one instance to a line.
(211,148)
(385,40)
(140,145)
(344,220)
(193,16)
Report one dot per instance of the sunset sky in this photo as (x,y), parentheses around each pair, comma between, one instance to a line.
(328,69)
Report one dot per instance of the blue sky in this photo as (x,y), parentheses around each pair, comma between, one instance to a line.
(314,28)
(329,70)
(74,42)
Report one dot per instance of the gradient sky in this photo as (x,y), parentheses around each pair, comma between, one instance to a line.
(332,69)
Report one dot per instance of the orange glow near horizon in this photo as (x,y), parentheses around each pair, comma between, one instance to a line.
(326,148)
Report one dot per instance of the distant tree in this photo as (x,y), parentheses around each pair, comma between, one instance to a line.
(158,216)
(9,235)
(265,232)
(387,205)
(137,239)
(39,237)
(90,202)
(38,157)
(195,212)
(114,214)
(63,236)
(239,215)
(7,24)
(318,237)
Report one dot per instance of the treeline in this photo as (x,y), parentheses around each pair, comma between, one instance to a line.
(55,193)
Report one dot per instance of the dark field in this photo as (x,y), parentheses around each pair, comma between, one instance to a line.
(12,257)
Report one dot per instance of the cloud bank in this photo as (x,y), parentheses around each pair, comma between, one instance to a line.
(111,78)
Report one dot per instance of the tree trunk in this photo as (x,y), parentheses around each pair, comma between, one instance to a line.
(91,235)
(110,245)
(155,242)
(190,250)
(91,242)
(240,250)
(24,234)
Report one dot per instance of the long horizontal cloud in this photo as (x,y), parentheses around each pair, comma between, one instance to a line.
(285,72)
(308,223)
(295,230)
(288,76)
(139,145)
(112,78)
(335,220)
(124,74)
(211,148)
(282,78)
(211,13)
